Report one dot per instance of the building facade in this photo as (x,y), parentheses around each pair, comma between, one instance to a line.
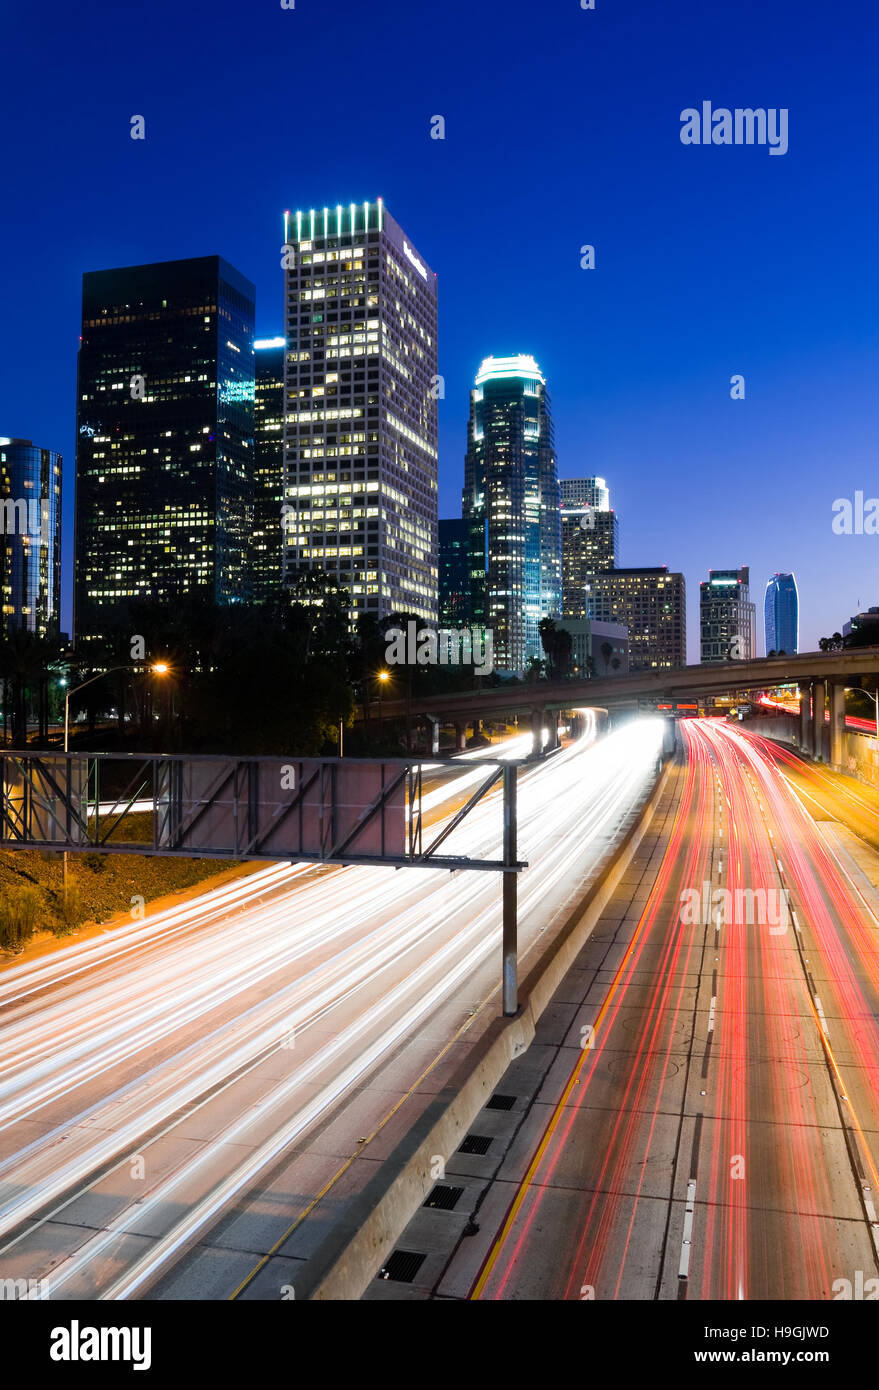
(584,492)
(30,538)
(454,572)
(164,450)
(511,503)
(781,615)
(597,649)
(360,439)
(652,605)
(727,617)
(267,557)
(590,540)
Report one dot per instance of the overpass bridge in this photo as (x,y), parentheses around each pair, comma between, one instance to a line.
(819,676)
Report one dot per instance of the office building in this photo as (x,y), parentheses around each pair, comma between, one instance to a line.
(360,440)
(511,502)
(454,572)
(584,492)
(597,649)
(652,605)
(590,540)
(30,538)
(862,629)
(781,614)
(164,450)
(267,551)
(727,617)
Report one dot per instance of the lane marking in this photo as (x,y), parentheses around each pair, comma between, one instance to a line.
(686,1243)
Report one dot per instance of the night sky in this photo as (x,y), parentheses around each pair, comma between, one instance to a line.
(562,128)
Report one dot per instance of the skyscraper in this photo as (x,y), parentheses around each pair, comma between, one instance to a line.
(30,538)
(511,501)
(781,614)
(267,559)
(727,617)
(454,572)
(164,457)
(590,540)
(360,441)
(652,604)
(584,492)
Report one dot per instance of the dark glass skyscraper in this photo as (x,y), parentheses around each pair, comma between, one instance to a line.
(268,481)
(781,614)
(360,439)
(454,572)
(511,502)
(164,460)
(30,538)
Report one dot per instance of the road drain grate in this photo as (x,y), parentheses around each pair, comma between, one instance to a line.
(444,1198)
(501,1103)
(475,1144)
(402,1266)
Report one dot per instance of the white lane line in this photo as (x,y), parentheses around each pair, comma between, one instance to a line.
(796,921)
(871,1213)
(684,1266)
(711,1013)
(821,1016)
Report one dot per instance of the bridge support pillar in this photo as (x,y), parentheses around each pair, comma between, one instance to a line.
(819,695)
(433,734)
(805,719)
(537,721)
(837,724)
(460,737)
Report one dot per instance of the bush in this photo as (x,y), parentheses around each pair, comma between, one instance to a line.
(19,913)
(94,861)
(70,911)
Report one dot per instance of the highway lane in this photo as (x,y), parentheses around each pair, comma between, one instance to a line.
(710,1128)
(150,1081)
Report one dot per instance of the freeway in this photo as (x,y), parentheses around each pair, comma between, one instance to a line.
(708,1127)
(177,1096)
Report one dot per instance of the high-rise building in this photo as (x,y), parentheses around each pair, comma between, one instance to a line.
(267,557)
(164,456)
(454,572)
(30,538)
(727,617)
(652,605)
(584,492)
(781,614)
(360,440)
(590,540)
(511,502)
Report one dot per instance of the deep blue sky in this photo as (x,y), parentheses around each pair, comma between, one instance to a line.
(562,128)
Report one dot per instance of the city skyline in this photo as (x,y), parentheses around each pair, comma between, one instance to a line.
(640,350)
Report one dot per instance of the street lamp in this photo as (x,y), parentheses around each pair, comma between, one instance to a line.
(383,678)
(160,668)
(874,696)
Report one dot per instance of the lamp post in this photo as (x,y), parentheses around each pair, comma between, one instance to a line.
(383,678)
(160,669)
(874,696)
